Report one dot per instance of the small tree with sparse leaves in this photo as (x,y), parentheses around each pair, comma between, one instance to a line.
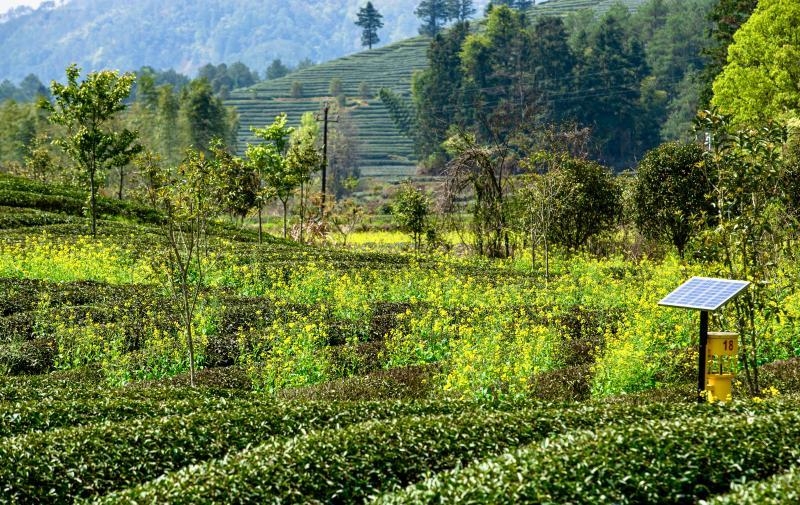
(411,210)
(85,109)
(189,198)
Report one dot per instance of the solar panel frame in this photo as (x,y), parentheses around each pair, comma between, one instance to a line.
(704,293)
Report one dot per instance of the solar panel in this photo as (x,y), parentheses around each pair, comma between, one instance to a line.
(704,293)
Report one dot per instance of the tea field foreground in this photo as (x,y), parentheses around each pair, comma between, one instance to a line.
(345,376)
(91,444)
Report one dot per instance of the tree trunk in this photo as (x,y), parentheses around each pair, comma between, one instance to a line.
(546,262)
(284,202)
(302,211)
(121,181)
(190,341)
(92,205)
(259,225)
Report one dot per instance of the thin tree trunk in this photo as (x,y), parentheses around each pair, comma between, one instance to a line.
(302,211)
(92,204)
(546,262)
(190,340)
(533,248)
(121,181)
(284,202)
(259,224)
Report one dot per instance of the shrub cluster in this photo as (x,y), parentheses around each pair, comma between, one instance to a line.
(645,461)
(231,378)
(11,217)
(34,356)
(46,202)
(783,375)
(24,193)
(571,383)
(65,385)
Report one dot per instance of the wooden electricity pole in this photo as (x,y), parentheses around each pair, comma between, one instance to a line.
(325,120)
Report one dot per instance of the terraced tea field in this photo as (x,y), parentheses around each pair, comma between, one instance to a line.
(384,152)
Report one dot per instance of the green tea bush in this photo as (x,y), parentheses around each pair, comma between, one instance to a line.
(572,383)
(232,378)
(48,203)
(583,332)
(35,356)
(63,464)
(11,217)
(644,461)
(50,413)
(19,295)
(784,375)
(78,383)
(351,359)
(781,489)
(17,327)
(24,193)
(90,384)
(413,382)
(384,318)
(351,464)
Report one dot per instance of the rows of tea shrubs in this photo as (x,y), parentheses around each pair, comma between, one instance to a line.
(44,414)
(24,193)
(780,489)
(82,461)
(354,463)
(647,461)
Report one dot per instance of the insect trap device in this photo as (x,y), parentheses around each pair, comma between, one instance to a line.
(718,350)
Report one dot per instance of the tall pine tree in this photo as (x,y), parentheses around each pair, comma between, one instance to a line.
(369,19)
(460,10)
(434,15)
(438,95)
(499,67)
(608,87)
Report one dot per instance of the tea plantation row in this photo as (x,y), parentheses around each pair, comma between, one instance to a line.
(176,445)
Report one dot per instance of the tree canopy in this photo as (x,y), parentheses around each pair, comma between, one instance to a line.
(434,15)
(671,192)
(760,81)
(630,78)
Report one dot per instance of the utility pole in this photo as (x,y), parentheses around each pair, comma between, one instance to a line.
(325,120)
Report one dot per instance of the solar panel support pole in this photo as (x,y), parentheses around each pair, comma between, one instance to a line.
(701,368)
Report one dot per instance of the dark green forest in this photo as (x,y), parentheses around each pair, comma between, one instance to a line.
(633,79)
